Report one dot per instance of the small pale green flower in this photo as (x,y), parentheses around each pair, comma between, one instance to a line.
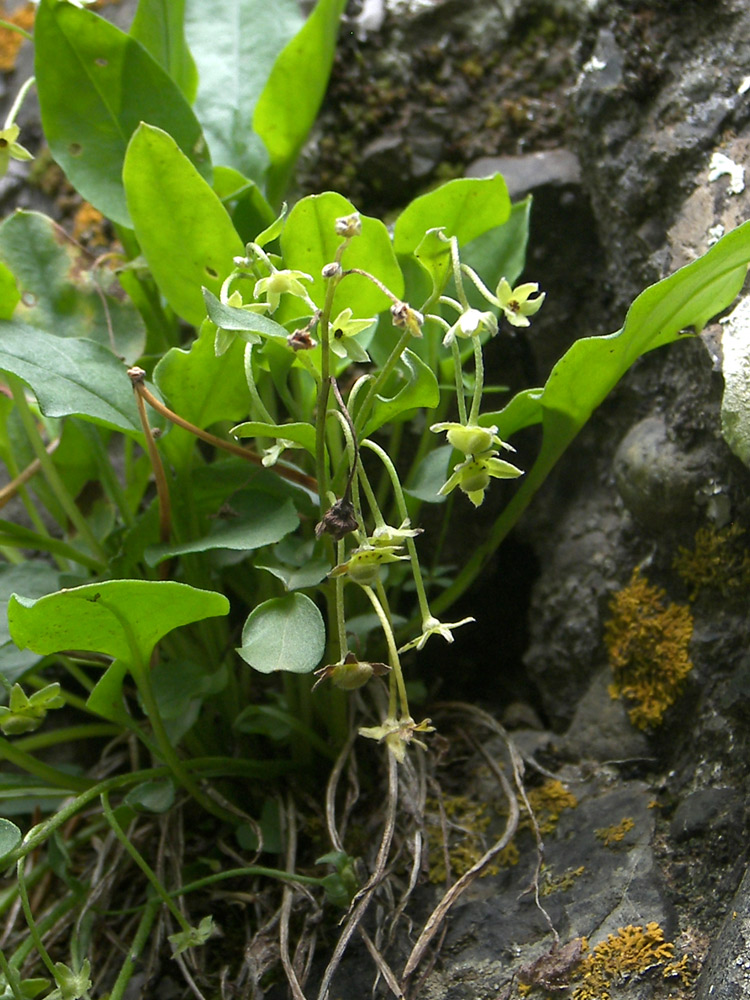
(431,626)
(343,328)
(363,565)
(470,438)
(398,733)
(273,454)
(473,476)
(516,303)
(393,537)
(24,714)
(471,323)
(10,149)
(286,282)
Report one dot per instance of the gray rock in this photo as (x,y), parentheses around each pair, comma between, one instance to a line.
(524,174)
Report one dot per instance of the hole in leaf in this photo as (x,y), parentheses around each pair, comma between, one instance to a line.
(211,273)
(101,61)
(75,149)
(29,299)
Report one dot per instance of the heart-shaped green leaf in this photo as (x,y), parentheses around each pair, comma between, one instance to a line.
(121,618)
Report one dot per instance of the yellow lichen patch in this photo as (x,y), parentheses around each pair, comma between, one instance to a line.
(634,949)
(466,822)
(550,883)
(610,835)
(647,639)
(547,803)
(719,560)
(11,41)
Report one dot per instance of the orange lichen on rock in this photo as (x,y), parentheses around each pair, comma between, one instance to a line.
(11,41)
(719,560)
(647,639)
(632,950)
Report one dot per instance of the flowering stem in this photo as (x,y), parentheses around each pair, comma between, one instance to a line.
(323,392)
(338,591)
(20,96)
(397,689)
(458,374)
(411,547)
(456,264)
(478,380)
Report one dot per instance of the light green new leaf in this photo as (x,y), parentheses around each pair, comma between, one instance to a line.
(241,320)
(120,618)
(159,25)
(35,578)
(309,242)
(70,377)
(591,368)
(303,434)
(235,44)
(61,290)
(95,85)
(291,99)
(10,837)
(420,391)
(464,208)
(285,633)
(254,520)
(183,229)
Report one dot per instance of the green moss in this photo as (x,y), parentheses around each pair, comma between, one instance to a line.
(550,883)
(647,639)
(719,560)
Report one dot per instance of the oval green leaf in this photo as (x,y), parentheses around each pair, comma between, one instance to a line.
(95,85)
(159,25)
(285,633)
(309,242)
(183,229)
(464,208)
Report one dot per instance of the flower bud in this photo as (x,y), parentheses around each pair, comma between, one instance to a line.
(349,225)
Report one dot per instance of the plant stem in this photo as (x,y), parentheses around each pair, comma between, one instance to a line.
(379,381)
(478,380)
(136,855)
(397,689)
(458,375)
(30,922)
(21,95)
(59,779)
(137,945)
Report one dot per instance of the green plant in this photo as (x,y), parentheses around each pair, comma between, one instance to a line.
(299,552)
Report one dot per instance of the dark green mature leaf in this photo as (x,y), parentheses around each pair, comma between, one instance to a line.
(183,229)
(464,208)
(309,242)
(159,25)
(420,391)
(290,101)
(121,618)
(95,85)
(235,44)
(285,633)
(70,377)
(62,291)
(254,520)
